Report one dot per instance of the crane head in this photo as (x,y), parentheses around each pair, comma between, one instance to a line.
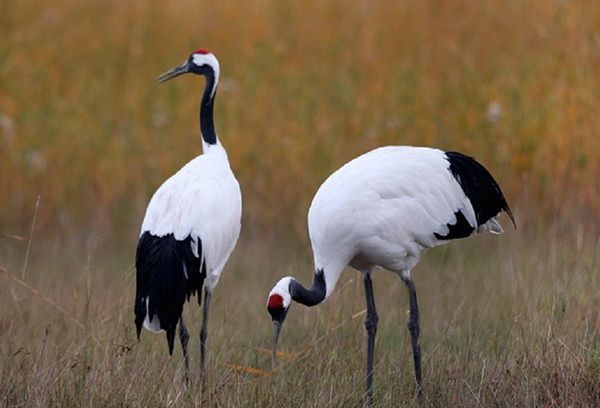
(200,62)
(278,305)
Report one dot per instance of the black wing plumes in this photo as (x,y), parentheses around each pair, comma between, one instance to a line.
(460,229)
(479,187)
(168,273)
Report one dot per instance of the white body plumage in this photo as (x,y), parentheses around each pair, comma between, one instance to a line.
(202,200)
(384,208)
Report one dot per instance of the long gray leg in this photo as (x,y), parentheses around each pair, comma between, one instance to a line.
(184,337)
(413,328)
(203,334)
(371,327)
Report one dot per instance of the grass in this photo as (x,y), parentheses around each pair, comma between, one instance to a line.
(506,321)
(311,85)
(305,86)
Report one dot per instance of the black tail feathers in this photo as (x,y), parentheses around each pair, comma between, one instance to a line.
(479,186)
(167,274)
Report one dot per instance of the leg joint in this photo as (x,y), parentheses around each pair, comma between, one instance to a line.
(371,323)
(183,333)
(413,327)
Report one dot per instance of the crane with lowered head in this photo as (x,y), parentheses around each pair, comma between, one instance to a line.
(385,208)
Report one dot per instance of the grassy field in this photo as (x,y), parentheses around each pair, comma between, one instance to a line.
(305,86)
(506,321)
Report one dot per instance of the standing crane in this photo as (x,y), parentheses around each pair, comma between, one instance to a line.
(190,228)
(385,208)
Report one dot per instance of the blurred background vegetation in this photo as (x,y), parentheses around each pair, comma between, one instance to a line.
(305,87)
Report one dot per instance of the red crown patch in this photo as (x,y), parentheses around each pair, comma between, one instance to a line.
(275,302)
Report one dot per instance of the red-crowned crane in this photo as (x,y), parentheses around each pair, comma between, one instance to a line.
(191,227)
(384,209)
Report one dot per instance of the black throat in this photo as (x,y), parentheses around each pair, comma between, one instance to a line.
(312,296)
(207,125)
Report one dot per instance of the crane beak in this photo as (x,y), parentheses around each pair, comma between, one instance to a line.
(276,330)
(172,73)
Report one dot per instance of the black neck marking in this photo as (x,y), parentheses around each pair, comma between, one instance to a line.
(207,125)
(312,296)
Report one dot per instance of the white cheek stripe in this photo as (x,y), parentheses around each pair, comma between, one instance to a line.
(210,60)
(282,288)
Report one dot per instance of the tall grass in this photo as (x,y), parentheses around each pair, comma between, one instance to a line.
(509,321)
(305,87)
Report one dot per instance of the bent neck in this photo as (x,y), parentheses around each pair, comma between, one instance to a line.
(207,125)
(312,296)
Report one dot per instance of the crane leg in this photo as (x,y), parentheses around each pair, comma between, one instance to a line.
(371,327)
(203,334)
(413,328)
(184,337)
